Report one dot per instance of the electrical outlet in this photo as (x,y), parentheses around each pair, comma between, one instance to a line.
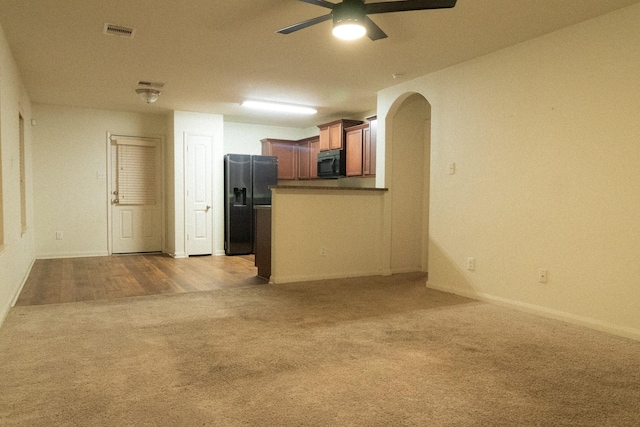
(322,251)
(59,235)
(543,276)
(471,263)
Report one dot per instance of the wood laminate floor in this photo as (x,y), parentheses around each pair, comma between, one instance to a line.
(54,281)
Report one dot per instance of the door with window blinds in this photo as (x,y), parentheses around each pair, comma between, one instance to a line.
(136,205)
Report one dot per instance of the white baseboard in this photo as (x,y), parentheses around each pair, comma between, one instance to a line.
(4,311)
(588,322)
(19,290)
(178,255)
(12,302)
(405,270)
(71,255)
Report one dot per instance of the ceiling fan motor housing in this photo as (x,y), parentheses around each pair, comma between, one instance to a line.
(349,11)
(351,20)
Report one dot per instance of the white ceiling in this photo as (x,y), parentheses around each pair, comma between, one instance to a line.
(213,54)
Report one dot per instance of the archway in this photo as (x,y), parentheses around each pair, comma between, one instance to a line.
(408,153)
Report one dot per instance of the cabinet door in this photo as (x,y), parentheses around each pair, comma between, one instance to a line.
(366,159)
(373,136)
(307,154)
(354,152)
(304,160)
(335,136)
(314,149)
(286,153)
(286,159)
(324,138)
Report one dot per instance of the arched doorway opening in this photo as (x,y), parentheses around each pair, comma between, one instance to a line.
(408,159)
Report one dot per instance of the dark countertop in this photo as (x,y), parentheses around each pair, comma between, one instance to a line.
(320,187)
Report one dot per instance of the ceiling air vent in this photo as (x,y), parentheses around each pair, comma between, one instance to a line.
(118,30)
(150,84)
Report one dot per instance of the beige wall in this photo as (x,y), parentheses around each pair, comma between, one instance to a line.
(242,138)
(70,150)
(545,138)
(16,248)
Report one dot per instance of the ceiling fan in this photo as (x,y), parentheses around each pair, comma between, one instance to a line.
(351,20)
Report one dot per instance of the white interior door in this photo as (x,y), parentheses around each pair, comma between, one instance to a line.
(136,201)
(198,194)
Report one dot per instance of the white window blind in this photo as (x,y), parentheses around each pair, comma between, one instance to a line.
(136,172)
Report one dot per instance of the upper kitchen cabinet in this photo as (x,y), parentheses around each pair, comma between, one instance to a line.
(369,147)
(286,152)
(354,146)
(308,150)
(360,147)
(332,134)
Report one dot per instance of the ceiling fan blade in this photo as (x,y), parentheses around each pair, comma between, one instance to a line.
(321,3)
(305,24)
(401,6)
(373,31)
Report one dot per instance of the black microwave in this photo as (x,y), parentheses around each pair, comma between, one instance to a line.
(331,164)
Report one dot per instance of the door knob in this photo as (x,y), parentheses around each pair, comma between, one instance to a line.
(208,207)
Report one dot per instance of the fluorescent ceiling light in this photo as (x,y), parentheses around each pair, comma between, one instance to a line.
(285,108)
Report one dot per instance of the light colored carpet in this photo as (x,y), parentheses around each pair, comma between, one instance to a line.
(359,352)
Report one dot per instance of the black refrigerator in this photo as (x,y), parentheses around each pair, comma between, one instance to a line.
(246,184)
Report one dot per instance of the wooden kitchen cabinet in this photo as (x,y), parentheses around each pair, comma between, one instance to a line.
(286,152)
(354,146)
(324,138)
(360,146)
(308,150)
(369,147)
(332,134)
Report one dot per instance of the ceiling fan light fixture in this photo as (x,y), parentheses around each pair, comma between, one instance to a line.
(283,108)
(349,29)
(148,95)
(348,20)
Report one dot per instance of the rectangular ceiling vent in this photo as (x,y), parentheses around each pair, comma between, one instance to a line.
(118,30)
(150,84)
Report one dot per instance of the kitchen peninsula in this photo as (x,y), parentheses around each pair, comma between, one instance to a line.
(325,187)
(320,232)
